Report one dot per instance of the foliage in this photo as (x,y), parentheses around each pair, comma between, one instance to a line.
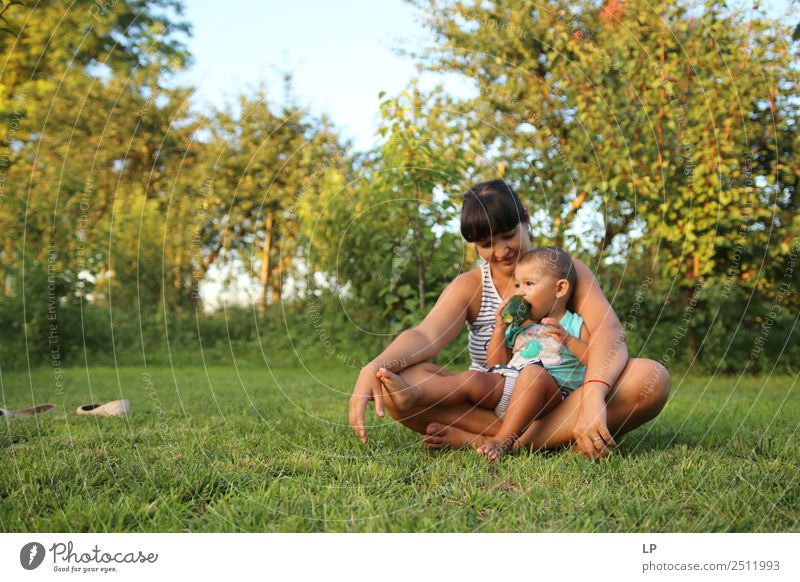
(271,169)
(657,142)
(388,238)
(660,139)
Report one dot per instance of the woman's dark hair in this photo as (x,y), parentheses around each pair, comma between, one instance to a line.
(490,208)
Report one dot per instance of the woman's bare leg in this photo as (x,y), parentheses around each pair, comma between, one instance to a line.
(464,419)
(638,396)
(483,388)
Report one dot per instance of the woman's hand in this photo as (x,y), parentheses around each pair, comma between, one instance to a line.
(367,388)
(418,344)
(591,431)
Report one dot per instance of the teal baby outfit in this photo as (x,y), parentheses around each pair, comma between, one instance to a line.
(530,345)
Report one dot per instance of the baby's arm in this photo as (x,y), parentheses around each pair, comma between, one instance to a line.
(578,346)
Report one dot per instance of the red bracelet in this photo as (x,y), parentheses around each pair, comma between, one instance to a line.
(601,382)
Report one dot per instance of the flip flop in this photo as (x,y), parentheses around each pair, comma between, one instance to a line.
(34,410)
(113,408)
(30,411)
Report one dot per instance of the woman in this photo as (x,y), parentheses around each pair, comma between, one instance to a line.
(617,396)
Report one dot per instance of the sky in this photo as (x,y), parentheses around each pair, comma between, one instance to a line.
(341,54)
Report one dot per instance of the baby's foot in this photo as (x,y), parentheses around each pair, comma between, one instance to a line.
(404,395)
(441,436)
(494,448)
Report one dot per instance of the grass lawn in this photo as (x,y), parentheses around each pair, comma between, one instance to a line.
(247,449)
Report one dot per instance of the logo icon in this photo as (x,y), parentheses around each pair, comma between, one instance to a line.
(31,555)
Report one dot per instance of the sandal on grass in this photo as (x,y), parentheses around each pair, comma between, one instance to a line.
(113,408)
(34,410)
(30,411)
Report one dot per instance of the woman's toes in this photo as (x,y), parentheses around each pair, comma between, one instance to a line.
(391,380)
(434,442)
(436,428)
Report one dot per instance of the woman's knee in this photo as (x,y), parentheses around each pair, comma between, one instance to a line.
(656,386)
(644,383)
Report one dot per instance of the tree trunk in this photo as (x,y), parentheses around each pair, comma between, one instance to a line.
(6,281)
(560,226)
(277,279)
(691,339)
(420,258)
(265,266)
(421,281)
(178,263)
(3,270)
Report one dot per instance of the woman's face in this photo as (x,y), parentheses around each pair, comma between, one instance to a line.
(503,249)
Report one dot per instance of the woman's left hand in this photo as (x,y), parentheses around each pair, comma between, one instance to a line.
(591,431)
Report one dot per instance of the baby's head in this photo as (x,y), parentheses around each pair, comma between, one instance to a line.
(545,277)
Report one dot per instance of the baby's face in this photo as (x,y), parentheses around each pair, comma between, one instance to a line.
(537,288)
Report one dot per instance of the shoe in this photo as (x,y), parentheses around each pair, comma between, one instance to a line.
(114,408)
(34,410)
(30,411)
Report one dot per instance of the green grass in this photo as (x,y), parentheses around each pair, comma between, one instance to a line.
(270,450)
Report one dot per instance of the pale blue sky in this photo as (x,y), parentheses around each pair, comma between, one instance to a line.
(340,53)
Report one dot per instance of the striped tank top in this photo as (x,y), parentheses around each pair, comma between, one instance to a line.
(480,330)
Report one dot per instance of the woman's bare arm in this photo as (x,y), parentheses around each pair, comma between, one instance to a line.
(442,324)
(608,352)
(418,344)
(607,357)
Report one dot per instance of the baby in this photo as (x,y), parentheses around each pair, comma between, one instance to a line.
(533,365)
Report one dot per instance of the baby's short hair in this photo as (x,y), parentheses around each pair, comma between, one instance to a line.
(553,261)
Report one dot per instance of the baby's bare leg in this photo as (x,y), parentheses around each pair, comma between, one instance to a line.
(482,388)
(535,394)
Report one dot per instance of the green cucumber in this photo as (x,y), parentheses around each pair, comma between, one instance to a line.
(516,310)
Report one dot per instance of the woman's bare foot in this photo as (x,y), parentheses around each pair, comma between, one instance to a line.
(440,436)
(494,448)
(404,395)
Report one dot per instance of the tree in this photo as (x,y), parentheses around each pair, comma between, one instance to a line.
(388,239)
(262,160)
(663,132)
(91,133)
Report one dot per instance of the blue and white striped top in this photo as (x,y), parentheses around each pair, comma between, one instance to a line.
(480,330)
